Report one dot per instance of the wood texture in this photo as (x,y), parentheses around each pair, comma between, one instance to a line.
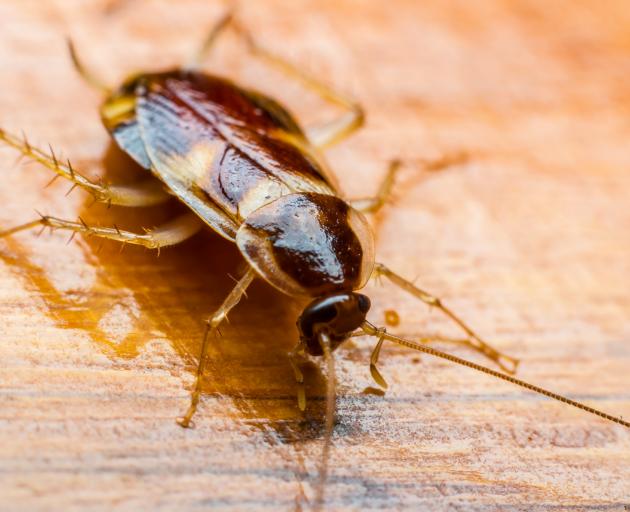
(527,237)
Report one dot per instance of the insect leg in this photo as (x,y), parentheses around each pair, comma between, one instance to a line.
(171,233)
(473,341)
(299,376)
(383,195)
(376,375)
(88,76)
(374,204)
(326,134)
(331,398)
(382,332)
(211,328)
(144,193)
(321,136)
(217,29)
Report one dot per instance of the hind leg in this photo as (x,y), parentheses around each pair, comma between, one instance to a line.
(210,40)
(326,134)
(321,136)
(144,193)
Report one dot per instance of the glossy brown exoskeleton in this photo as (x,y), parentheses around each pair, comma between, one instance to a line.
(246,169)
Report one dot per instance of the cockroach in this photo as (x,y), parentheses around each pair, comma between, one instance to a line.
(244,167)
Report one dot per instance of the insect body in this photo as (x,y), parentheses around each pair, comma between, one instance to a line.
(242,164)
(245,168)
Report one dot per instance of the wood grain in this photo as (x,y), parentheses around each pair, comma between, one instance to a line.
(528,238)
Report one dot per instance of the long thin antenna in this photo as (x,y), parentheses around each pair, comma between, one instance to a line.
(371,330)
(324,341)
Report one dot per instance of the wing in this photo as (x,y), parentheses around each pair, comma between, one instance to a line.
(118,114)
(223,151)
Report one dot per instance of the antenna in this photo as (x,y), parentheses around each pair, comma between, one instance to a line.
(371,330)
(324,341)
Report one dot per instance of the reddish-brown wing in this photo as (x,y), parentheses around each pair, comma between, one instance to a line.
(222,150)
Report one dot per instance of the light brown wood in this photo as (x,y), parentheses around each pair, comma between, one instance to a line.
(528,239)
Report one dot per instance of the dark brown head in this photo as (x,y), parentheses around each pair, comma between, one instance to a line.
(337,315)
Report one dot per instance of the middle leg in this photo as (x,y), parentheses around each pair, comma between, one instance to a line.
(374,204)
(171,233)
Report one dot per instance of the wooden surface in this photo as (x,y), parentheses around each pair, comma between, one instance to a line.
(528,238)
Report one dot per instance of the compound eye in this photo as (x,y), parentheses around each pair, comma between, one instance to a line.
(364,303)
(338,315)
(321,312)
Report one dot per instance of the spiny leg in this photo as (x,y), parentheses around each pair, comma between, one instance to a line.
(212,325)
(144,193)
(474,340)
(294,355)
(321,136)
(374,204)
(171,233)
(329,133)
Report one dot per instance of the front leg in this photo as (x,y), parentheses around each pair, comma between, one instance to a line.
(212,325)
(294,356)
(505,362)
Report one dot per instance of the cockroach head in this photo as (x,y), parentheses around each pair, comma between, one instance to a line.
(337,315)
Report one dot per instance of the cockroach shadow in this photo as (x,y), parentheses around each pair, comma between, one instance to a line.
(173,293)
(141,296)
